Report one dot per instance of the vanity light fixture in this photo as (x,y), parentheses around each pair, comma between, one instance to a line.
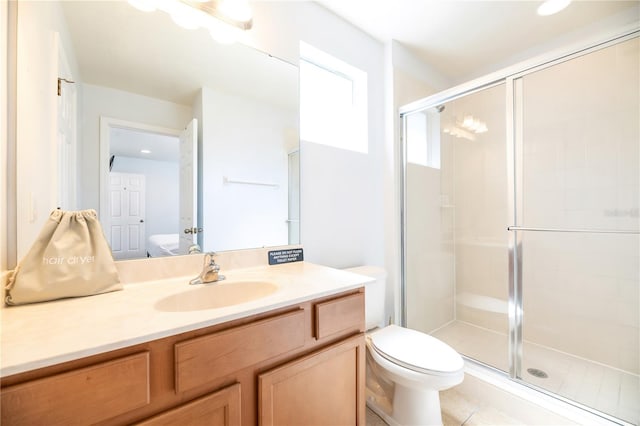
(468,128)
(459,133)
(145,151)
(550,7)
(474,125)
(225,19)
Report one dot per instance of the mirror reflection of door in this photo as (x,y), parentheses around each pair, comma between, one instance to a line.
(66,130)
(127,215)
(188,178)
(155,154)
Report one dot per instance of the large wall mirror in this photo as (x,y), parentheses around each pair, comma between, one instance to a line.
(174,139)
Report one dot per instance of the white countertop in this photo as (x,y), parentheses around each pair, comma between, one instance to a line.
(44,334)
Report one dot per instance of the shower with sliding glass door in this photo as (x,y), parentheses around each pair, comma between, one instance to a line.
(521,225)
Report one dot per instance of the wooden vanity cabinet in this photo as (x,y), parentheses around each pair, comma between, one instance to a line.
(302,364)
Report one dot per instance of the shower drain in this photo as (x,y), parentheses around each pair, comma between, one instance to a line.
(537,373)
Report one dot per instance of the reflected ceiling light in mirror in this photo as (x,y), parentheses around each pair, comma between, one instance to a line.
(225,19)
(550,7)
(145,151)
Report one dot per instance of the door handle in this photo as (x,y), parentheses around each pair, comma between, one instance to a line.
(192,230)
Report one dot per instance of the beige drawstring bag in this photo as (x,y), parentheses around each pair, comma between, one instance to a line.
(69,258)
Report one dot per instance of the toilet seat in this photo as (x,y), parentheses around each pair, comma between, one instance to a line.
(416,351)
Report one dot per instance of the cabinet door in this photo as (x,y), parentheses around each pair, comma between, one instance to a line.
(220,408)
(324,388)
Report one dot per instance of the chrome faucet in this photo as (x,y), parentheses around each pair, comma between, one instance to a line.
(210,271)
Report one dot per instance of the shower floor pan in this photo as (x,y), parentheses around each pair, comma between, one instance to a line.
(595,385)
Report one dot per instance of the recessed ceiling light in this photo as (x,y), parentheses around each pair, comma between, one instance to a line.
(145,151)
(549,7)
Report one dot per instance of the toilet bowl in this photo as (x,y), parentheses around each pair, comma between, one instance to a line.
(406,369)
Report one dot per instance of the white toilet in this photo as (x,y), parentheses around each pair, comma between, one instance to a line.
(406,369)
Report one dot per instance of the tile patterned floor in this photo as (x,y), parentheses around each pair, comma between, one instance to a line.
(607,389)
(458,410)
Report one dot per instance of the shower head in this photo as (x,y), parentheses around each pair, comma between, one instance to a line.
(440,108)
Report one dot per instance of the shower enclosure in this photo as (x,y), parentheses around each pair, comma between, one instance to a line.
(521,224)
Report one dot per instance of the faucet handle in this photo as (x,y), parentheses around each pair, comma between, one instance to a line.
(209,272)
(209,260)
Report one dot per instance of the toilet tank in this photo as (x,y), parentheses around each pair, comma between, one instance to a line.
(374,295)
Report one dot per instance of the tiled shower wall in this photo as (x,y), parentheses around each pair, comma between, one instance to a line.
(430,265)
(581,169)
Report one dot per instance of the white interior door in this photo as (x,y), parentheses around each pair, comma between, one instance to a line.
(126,232)
(188,186)
(66,133)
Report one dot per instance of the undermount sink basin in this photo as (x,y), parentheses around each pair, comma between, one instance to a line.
(216,295)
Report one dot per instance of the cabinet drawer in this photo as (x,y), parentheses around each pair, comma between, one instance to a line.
(84,396)
(340,315)
(207,358)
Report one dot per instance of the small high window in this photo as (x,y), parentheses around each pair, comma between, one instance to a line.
(333,101)
(422,133)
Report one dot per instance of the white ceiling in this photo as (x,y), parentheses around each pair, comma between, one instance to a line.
(130,143)
(465,39)
(123,48)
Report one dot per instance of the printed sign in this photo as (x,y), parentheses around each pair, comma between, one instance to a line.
(277,257)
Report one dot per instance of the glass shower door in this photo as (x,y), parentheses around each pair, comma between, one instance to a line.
(456,239)
(579,248)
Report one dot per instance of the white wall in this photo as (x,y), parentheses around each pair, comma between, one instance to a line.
(100,101)
(236,216)
(162,198)
(4,24)
(430,295)
(342,201)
